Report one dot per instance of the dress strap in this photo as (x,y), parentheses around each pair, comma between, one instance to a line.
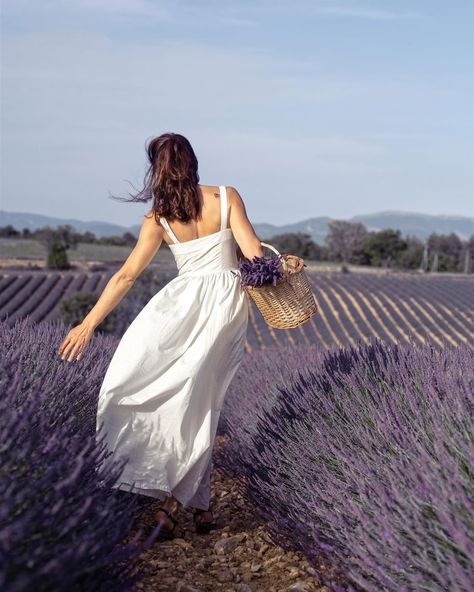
(223,192)
(164,222)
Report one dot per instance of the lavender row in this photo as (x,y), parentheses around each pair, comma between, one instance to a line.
(62,524)
(354,308)
(361,459)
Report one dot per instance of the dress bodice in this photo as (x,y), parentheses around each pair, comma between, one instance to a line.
(206,254)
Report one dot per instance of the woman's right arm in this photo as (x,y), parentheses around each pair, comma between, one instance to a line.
(149,241)
(242,229)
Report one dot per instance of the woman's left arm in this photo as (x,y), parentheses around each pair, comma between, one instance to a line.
(148,243)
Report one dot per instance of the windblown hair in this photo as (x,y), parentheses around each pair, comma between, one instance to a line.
(172,178)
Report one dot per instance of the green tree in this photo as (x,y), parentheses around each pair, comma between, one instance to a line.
(449,248)
(8,231)
(57,241)
(88,237)
(73,310)
(57,256)
(412,255)
(296,243)
(129,239)
(384,247)
(345,241)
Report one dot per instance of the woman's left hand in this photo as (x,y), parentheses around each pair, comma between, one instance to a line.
(75,342)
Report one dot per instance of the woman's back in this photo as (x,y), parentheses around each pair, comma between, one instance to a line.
(213,252)
(210,220)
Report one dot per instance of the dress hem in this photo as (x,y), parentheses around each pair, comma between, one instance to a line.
(157,493)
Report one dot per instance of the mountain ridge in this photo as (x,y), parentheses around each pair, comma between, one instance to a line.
(409,223)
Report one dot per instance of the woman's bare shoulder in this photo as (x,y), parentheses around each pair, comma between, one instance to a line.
(150,215)
(233,196)
(151,219)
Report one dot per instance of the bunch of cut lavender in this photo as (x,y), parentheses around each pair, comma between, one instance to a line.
(260,271)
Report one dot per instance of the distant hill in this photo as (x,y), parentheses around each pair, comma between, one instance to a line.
(20,220)
(420,225)
(409,223)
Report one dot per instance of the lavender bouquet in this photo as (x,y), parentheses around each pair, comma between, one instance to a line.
(260,271)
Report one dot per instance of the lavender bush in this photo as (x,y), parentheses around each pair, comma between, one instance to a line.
(361,458)
(61,525)
(253,385)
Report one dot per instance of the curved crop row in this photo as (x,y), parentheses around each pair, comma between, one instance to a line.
(354,308)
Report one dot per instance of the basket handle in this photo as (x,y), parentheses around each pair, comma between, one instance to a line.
(282,259)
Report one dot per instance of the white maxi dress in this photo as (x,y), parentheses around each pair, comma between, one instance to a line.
(162,393)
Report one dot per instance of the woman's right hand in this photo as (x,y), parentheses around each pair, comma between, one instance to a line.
(76,342)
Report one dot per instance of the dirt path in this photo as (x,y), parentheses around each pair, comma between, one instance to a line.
(237,557)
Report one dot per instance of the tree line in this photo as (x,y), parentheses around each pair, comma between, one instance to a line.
(345,243)
(351,243)
(58,240)
(74,237)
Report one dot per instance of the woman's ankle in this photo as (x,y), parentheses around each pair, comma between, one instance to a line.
(172,505)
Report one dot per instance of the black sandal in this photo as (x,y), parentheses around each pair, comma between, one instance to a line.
(202,527)
(166,533)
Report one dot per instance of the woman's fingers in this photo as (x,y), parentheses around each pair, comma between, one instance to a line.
(78,345)
(66,348)
(69,343)
(82,349)
(67,351)
(73,352)
(63,344)
(74,343)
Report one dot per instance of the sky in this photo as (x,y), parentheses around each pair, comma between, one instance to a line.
(308,108)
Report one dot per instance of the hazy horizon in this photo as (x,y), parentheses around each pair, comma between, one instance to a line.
(288,222)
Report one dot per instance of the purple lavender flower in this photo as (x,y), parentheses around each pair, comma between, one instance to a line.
(260,271)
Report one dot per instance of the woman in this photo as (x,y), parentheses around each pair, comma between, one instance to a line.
(161,396)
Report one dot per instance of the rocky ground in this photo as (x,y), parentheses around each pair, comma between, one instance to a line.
(238,556)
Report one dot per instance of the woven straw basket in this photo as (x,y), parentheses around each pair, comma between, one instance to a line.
(291,302)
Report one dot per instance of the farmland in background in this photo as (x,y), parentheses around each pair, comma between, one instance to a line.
(18,248)
(353,307)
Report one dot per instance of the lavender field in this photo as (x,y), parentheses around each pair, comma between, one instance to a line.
(354,308)
(360,458)
(351,437)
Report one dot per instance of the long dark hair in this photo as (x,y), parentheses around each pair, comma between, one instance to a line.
(171,180)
